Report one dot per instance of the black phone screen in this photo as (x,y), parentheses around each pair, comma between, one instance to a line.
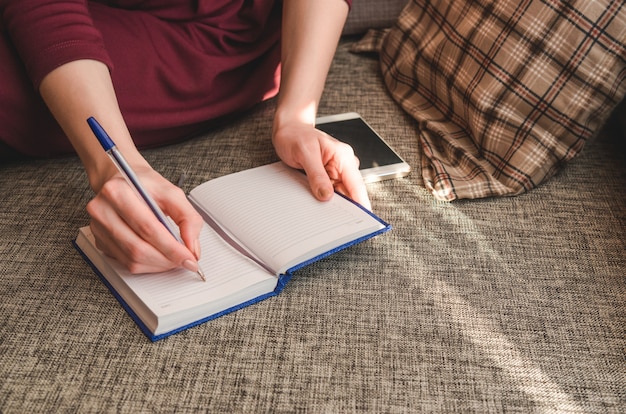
(371,150)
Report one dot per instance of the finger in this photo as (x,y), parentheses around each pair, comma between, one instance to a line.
(352,183)
(344,169)
(149,229)
(141,227)
(188,220)
(116,239)
(318,178)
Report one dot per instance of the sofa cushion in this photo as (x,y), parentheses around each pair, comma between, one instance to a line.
(505,92)
(372,14)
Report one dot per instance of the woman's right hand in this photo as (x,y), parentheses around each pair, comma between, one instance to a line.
(125,228)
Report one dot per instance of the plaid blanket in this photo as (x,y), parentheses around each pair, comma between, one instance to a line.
(505,91)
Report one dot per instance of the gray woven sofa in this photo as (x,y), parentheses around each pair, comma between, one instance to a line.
(497,305)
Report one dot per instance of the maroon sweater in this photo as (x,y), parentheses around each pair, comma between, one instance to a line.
(175,64)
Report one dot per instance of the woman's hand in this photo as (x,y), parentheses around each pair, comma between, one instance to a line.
(311,30)
(329,163)
(125,228)
(123,225)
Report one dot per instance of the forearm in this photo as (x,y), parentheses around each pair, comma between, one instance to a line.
(64,55)
(311,31)
(74,92)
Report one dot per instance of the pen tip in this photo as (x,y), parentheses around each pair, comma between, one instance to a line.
(201,275)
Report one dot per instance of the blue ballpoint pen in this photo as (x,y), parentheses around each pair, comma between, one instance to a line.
(128,173)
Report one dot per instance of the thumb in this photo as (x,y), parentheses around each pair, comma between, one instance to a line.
(319,181)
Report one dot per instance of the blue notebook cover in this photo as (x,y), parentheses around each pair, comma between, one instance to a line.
(282,281)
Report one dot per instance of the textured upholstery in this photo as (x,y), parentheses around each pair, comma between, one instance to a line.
(372,14)
(498,305)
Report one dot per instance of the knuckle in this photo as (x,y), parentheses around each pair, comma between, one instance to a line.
(134,268)
(346,150)
(146,228)
(111,189)
(136,256)
(175,192)
(92,207)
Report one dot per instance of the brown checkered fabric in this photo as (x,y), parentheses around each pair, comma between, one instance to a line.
(505,91)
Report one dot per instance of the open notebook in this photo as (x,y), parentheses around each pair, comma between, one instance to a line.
(262,224)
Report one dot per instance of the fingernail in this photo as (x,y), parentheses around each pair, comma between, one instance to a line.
(190,265)
(323,193)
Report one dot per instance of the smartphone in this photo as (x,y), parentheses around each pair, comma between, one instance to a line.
(378,161)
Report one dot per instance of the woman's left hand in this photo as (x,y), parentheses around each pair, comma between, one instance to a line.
(328,163)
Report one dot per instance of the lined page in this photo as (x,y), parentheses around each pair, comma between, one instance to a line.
(271,210)
(180,291)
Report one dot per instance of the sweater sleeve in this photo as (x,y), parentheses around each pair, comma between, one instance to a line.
(50,33)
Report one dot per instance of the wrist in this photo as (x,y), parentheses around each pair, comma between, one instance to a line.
(301,114)
(101,168)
